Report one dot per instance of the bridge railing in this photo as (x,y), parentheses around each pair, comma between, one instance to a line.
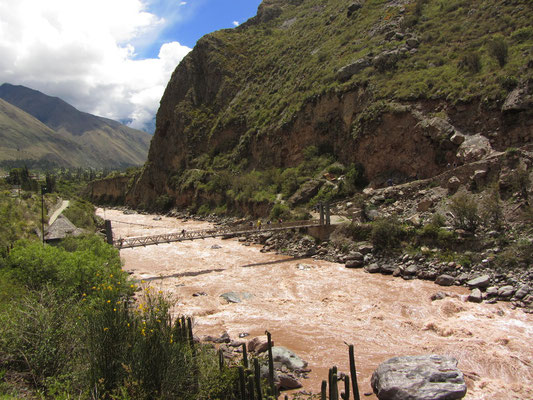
(211,232)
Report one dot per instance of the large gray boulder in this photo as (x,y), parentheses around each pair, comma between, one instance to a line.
(430,377)
(347,71)
(306,192)
(482,281)
(287,358)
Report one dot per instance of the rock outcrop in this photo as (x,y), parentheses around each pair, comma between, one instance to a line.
(419,378)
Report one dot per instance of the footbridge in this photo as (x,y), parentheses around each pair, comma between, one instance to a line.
(124,243)
(218,231)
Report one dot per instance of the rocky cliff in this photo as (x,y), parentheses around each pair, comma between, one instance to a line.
(403,89)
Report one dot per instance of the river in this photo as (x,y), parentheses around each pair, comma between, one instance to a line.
(315,307)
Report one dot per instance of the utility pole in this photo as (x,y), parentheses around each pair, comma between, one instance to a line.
(43,191)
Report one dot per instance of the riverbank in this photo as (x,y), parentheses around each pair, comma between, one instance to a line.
(313,307)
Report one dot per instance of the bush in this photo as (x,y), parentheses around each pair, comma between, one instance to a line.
(280,211)
(386,233)
(88,263)
(471,62)
(465,212)
(491,210)
(499,50)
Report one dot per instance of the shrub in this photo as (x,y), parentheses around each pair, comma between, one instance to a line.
(471,61)
(522,34)
(280,211)
(465,212)
(386,233)
(499,50)
(491,209)
(41,334)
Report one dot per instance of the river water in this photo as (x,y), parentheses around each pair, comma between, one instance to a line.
(315,307)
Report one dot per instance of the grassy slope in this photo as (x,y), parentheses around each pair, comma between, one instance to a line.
(280,64)
(86,139)
(24,137)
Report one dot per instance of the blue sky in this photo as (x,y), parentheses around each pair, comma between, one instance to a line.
(195,18)
(111,58)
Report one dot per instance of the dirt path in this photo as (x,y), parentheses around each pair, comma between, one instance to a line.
(58,212)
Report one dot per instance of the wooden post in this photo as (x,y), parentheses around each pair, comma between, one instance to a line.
(321,207)
(108,232)
(328,220)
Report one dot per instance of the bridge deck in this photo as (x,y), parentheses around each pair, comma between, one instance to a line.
(124,243)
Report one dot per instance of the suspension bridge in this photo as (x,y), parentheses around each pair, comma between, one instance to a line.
(218,231)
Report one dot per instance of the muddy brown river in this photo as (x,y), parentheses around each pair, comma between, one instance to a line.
(315,307)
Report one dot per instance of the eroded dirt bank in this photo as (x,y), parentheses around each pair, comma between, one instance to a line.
(313,307)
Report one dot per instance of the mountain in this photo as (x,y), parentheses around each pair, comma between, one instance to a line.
(23,137)
(85,140)
(389,89)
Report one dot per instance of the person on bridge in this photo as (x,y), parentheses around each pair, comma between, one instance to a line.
(258,224)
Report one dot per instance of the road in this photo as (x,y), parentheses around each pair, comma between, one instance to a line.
(58,212)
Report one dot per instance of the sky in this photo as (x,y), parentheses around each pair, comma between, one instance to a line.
(111,58)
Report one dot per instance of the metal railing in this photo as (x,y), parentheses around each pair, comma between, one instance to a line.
(129,242)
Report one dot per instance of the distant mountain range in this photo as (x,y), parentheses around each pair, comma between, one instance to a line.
(43,131)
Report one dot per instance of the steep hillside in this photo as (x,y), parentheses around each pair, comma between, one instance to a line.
(94,141)
(24,138)
(393,89)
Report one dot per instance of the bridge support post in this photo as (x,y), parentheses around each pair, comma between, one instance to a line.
(328,220)
(108,232)
(321,208)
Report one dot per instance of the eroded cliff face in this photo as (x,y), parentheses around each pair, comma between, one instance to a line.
(212,106)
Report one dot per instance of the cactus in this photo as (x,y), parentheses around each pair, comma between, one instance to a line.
(242,383)
(251,387)
(333,388)
(346,394)
(323,390)
(257,373)
(244,356)
(353,373)
(271,366)
(221,359)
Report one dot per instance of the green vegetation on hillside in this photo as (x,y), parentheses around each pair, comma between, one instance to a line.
(463,50)
(290,56)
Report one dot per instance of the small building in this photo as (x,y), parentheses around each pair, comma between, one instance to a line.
(60,229)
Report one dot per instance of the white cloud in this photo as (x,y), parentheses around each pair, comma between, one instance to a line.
(183,3)
(84,52)
(235,23)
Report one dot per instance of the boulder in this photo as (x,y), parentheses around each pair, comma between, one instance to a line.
(475,296)
(349,70)
(445,280)
(520,99)
(287,382)
(457,138)
(354,264)
(258,344)
(474,148)
(411,270)
(424,205)
(288,358)
(453,184)
(433,377)
(388,269)
(482,281)
(235,297)
(372,268)
(506,291)
(306,192)
(438,296)
(522,291)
